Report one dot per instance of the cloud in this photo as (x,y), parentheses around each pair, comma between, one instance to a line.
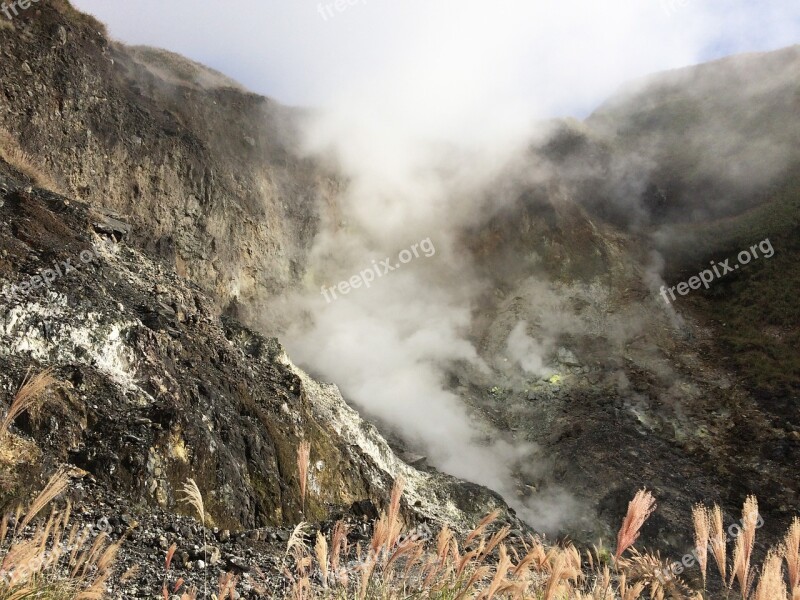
(460,56)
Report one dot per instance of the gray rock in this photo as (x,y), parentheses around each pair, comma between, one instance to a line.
(415,460)
(237,562)
(112,227)
(566,357)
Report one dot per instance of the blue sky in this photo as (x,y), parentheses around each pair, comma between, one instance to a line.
(554,57)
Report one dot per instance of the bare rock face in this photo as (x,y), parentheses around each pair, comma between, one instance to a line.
(206,173)
(154,388)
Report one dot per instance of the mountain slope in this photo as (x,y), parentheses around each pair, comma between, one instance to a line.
(697,398)
(192,161)
(611,388)
(153,388)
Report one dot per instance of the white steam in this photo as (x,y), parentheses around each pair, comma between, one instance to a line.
(418,142)
(528,352)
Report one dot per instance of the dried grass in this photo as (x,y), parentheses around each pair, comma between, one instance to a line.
(226,586)
(719,539)
(702,532)
(167,564)
(296,545)
(303,463)
(57,484)
(483,567)
(743,550)
(34,567)
(339,546)
(771,585)
(639,509)
(27,397)
(792,554)
(392,566)
(482,526)
(193,497)
(22,162)
(321,553)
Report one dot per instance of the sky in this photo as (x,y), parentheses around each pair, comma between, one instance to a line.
(543,57)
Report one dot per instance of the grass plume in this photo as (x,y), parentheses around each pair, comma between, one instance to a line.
(770,584)
(743,550)
(792,554)
(27,396)
(57,484)
(702,532)
(719,541)
(639,509)
(303,463)
(193,497)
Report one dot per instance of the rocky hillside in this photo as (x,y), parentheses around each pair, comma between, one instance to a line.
(190,159)
(191,197)
(696,398)
(190,178)
(152,388)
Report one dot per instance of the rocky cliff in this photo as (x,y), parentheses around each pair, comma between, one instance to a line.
(153,387)
(205,172)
